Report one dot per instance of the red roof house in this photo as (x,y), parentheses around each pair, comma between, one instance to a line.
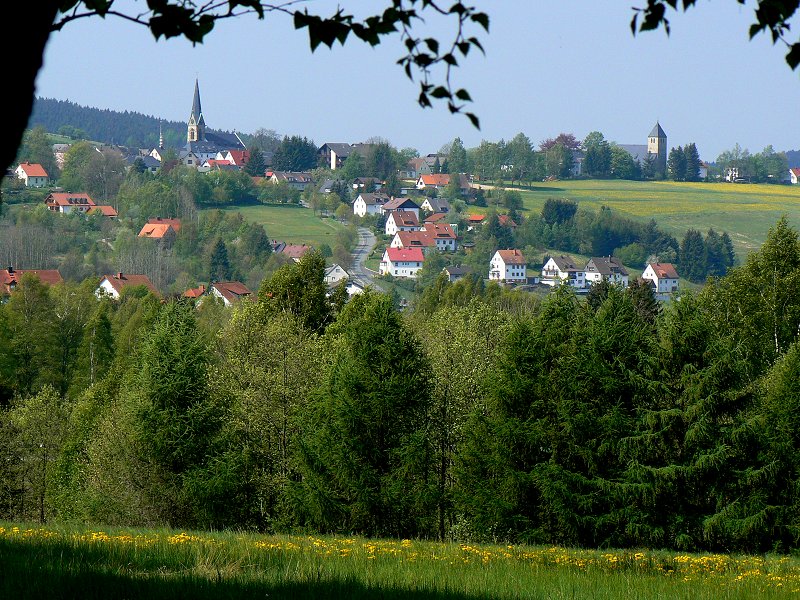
(10,277)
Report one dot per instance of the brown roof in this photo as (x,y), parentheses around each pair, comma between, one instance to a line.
(105,210)
(9,278)
(296,250)
(435,217)
(506,221)
(231,290)
(476,218)
(195,292)
(512,257)
(69,199)
(415,239)
(441,179)
(405,218)
(440,231)
(664,270)
(121,280)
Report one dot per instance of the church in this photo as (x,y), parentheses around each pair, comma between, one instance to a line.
(203,144)
(655,149)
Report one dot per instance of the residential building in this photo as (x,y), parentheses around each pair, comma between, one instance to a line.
(296,179)
(402,262)
(174,223)
(456,272)
(335,274)
(663,277)
(401,220)
(794,176)
(435,205)
(401,204)
(112,285)
(608,268)
(413,239)
(368,203)
(33,174)
(295,251)
(561,269)
(333,154)
(230,292)
(442,234)
(508,266)
(68,202)
(10,277)
(105,210)
(163,232)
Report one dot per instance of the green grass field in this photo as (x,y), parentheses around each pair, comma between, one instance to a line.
(745,211)
(292,224)
(100,563)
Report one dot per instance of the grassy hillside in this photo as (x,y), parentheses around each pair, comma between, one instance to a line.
(292,224)
(745,211)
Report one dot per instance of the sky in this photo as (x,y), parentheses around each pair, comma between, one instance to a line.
(549,67)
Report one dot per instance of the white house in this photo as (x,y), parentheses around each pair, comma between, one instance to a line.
(436,205)
(562,269)
(794,176)
(663,277)
(413,239)
(33,174)
(334,274)
(67,202)
(112,285)
(509,266)
(607,268)
(230,292)
(401,220)
(369,204)
(402,262)
(442,234)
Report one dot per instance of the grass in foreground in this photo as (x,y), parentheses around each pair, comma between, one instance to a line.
(62,562)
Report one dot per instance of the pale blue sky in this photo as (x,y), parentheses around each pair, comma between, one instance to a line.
(550,66)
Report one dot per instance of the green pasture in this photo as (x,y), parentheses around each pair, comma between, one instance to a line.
(745,211)
(292,224)
(101,563)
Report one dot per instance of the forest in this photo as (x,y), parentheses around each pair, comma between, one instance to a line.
(482,414)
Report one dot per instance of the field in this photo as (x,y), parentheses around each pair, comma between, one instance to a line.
(292,224)
(745,211)
(86,563)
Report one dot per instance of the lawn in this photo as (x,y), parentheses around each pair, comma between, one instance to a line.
(745,211)
(292,224)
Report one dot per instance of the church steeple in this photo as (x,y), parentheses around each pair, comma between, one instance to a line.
(196,131)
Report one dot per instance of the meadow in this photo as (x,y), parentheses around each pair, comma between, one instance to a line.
(745,211)
(80,562)
(292,224)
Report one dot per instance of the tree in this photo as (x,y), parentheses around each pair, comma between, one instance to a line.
(556,210)
(36,148)
(381,161)
(522,158)
(692,158)
(256,166)
(295,153)
(219,265)
(622,164)
(693,256)
(676,164)
(457,158)
(597,161)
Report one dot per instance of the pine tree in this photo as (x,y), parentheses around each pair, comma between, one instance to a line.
(256,166)
(676,164)
(692,256)
(692,159)
(219,265)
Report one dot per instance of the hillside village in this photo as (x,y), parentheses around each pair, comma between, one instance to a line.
(422,212)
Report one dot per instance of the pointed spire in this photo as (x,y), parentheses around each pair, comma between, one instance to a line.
(196,110)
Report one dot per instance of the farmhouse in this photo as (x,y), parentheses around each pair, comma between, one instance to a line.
(663,277)
(508,266)
(33,174)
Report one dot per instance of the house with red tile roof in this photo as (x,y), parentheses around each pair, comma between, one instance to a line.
(10,277)
(163,232)
(401,220)
(402,262)
(794,176)
(508,266)
(175,223)
(194,292)
(112,285)
(663,277)
(443,235)
(235,157)
(413,239)
(68,202)
(295,251)
(33,174)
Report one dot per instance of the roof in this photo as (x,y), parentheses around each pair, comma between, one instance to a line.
(437,204)
(457,270)
(796,171)
(231,290)
(605,265)
(664,270)
(121,280)
(565,263)
(404,218)
(400,203)
(506,221)
(415,239)
(10,277)
(440,231)
(195,292)
(435,217)
(405,254)
(104,209)
(371,199)
(175,223)
(637,151)
(512,257)
(437,179)
(69,199)
(239,157)
(155,231)
(33,169)
(657,131)
(476,218)
(341,149)
(295,250)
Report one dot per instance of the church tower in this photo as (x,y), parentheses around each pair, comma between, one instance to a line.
(196,131)
(657,148)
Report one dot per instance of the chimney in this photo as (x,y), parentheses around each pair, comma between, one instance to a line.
(119,275)
(10,269)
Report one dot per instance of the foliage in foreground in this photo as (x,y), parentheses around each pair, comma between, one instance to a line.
(103,563)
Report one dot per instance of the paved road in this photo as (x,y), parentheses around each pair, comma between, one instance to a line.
(360,274)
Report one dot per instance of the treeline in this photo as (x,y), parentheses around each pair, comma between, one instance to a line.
(485,415)
(126,128)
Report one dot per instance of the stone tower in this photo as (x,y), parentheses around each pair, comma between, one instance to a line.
(657,148)
(196,131)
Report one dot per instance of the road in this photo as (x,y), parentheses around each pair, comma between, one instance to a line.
(359,273)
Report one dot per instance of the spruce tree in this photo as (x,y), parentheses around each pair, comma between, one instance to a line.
(219,266)
(256,166)
(692,160)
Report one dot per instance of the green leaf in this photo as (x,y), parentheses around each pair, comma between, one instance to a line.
(433,45)
(474,120)
(441,92)
(482,19)
(462,94)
